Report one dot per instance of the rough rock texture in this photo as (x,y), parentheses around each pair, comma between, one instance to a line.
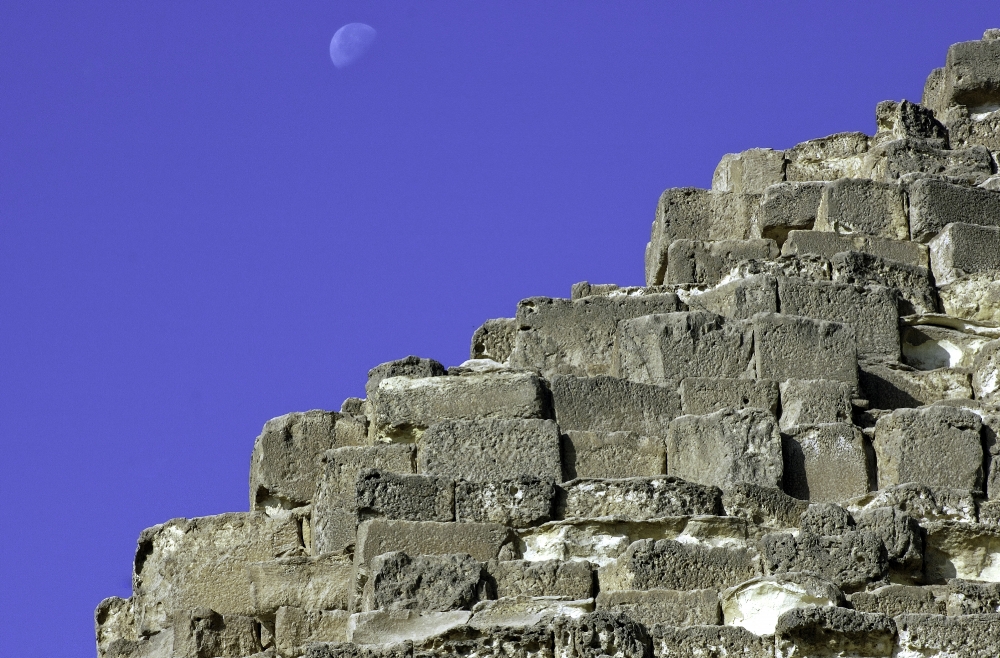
(825,462)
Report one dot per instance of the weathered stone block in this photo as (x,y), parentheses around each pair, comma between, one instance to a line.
(662,348)
(638,499)
(518,503)
(349,650)
(895,600)
(833,631)
(577,337)
(705,395)
(757,604)
(664,606)
(669,564)
(826,244)
(920,502)
(938,446)
(708,641)
(114,626)
(763,506)
(483,541)
(294,628)
(523,612)
(928,347)
(428,583)
(911,283)
(900,120)
(286,464)
(749,172)
(986,371)
(725,448)
(203,632)
(870,310)
(491,449)
(383,494)
(612,455)
(857,205)
(964,597)
(494,339)
(900,534)
(403,407)
(513,639)
(975,297)
(973,128)
(792,347)
(827,158)
(411,366)
(396,626)
(892,160)
(573,580)
(963,249)
(825,462)
(972,72)
(308,583)
(814,401)
(601,633)
(969,551)
(826,519)
(892,386)
(849,560)
(934,204)
(739,299)
(787,207)
(706,263)
(609,404)
(968,636)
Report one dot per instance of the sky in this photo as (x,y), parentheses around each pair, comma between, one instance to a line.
(204,223)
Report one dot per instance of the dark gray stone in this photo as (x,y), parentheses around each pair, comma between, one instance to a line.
(857,205)
(934,204)
(609,404)
(833,631)
(519,503)
(430,583)
(792,347)
(705,395)
(849,560)
(384,494)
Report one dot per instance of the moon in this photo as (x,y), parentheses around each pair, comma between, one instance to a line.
(350,43)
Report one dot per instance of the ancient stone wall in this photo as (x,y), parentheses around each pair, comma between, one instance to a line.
(781,446)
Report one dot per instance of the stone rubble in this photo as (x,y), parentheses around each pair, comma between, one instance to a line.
(783,445)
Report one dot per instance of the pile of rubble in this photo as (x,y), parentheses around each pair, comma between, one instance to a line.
(781,446)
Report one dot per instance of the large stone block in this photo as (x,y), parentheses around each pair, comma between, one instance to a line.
(892,160)
(792,347)
(295,628)
(966,597)
(749,172)
(307,583)
(403,407)
(968,636)
(572,580)
(411,366)
(912,284)
(609,404)
(920,502)
(833,631)
(725,448)
(669,564)
(825,462)
(664,606)
(937,446)
(969,551)
(757,604)
(193,563)
(975,297)
(494,339)
(763,506)
(849,560)
(523,612)
(348,650)
(813,401)
(491,449)
(705,395)
(972,72)
(601,633)
(895,600)
(662,348)
(286,463)
(786,207)
(203,632)
(638,499)
(739,299)
(384,494)
(708,641)
(398,626)
(706,263)
(612,455)
(856,205)
(962,249)
(826,244)
(483,541)
(901,536)
(895,386)
(578,337)
(428,583)
(518,503)
(870,310)
(973,128)
(901,120)
(930,347)
(828,158)
(114,626)
(934,204)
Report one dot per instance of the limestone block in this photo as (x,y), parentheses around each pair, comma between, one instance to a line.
(849,560)
(578,337)
(201,562)
(494,339)
(308,583)
(662,348)
(967,128)
(395,626)
(669,564)
(203,632)
(483,541)
(912,283)
(702,263)
(787,207)
(570,580)
(938,446)
(612,455)
(933,93)
(857,205)
(114,625)
(524,612)
(725,448)
(638,499)
(826,519)
(428,583)
(968,636)
(792,347)
(739,299)
(964,597)
(294,628)
(491,449)
(825,462)
(583,289)
(708,641)
(757,604)
(961,550)
(962,249)
(286,464)
(900,534)
(972,73)
(828,158)
(518,502)
(900,120)
(870,310)
(975,297)
(351,428)
(814,401)
(664,606)
(986,371)
(334,517)
(833,631)
(826,244)
(763,506)
(411,366)
(705,395)
(404,496)
(934,204)
(891,386)
(928,347)
(749,172)
(348,650)
(517,639)
(403,407)
(920,502)
(895,600)
(601,633)
(890,161)
(609,404)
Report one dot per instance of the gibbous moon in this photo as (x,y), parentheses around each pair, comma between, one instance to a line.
(350,43)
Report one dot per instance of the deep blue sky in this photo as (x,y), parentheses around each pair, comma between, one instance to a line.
(205,224)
